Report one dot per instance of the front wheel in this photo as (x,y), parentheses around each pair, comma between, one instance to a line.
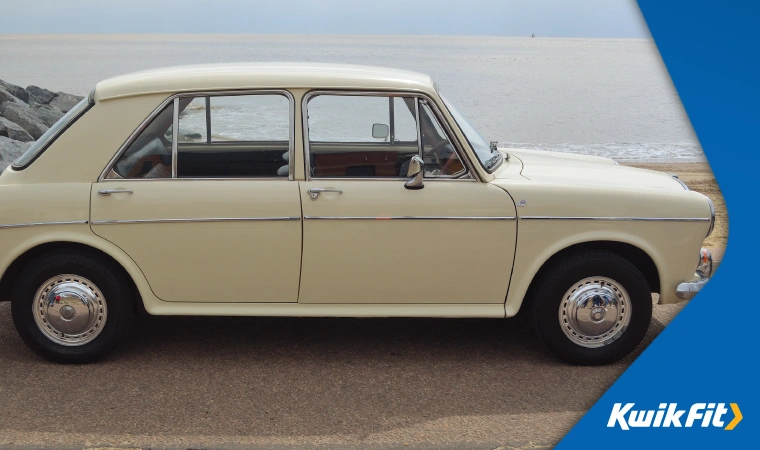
(592,307)
(72,307)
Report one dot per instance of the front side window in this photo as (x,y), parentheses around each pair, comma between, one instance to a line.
(375,136)
(361,136)
(233,136)
(441,160)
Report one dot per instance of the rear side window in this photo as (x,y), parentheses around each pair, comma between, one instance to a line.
(150,154)
(241,136)
(28,157)
(233,136)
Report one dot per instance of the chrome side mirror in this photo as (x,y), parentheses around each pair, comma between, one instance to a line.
(417,172)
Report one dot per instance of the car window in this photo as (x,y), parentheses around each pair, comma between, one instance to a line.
(441,159)
(242,136)
(150,154)
(352,136)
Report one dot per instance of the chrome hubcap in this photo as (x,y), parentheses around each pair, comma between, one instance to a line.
(70,310)
(595,312)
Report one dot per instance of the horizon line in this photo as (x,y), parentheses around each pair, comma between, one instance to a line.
(320,34)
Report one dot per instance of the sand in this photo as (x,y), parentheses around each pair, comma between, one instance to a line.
(699,178)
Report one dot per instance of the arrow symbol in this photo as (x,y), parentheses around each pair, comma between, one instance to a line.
(737,417)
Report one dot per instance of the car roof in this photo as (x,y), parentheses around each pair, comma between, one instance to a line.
(232,76)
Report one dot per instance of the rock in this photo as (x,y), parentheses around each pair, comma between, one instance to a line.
(13,131)
(47,114)
(24,117)
(42,96)
(64,101)
(6,96)
(10,150)
(16,91)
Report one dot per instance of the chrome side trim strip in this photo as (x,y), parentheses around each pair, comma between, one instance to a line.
(42,224)
(641,219)
(212,219)
(408,218)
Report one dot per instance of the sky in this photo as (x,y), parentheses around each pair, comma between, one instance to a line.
(558,18)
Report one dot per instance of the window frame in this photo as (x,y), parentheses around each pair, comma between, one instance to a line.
(108,174)
(469,175)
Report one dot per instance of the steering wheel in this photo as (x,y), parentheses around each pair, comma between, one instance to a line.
(436,147)
(446,168)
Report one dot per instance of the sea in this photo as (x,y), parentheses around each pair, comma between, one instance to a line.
(606,97)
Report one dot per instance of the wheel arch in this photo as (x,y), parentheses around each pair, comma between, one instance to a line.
(637,256)
(25,254)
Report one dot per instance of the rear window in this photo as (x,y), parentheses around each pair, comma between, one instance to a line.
(26,159)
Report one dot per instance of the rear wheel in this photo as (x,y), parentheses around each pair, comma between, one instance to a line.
(72,307)
(592,307)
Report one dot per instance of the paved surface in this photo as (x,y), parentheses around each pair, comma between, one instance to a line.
(189,382)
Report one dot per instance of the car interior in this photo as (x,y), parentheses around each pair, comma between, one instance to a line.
(387,159)
(150,155)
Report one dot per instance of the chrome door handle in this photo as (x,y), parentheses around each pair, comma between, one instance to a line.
(314,192)
(114,191)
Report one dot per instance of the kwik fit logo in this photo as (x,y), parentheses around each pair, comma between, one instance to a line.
(668,415)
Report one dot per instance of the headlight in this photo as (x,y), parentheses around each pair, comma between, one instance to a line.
(705,266)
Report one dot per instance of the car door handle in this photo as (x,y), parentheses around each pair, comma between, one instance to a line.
(314,192)
(114,191)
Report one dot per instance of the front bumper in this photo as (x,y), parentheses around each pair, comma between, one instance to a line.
(688,289)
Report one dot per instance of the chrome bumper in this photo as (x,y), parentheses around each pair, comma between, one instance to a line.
(688,289)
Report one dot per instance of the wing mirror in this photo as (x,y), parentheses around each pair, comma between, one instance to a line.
(417,172)
(380,131)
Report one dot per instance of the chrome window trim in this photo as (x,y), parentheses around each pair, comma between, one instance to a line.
(409,218)
(469,175)
(42,224)
(197,220)
(175,98)
(419,132)
(641,219)
(175,137)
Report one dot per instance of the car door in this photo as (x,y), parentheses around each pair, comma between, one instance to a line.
(201,200)
(367,238)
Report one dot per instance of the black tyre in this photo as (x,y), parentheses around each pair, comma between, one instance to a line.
(592,307)
(72,307)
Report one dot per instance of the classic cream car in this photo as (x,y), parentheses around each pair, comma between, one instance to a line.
(328,190)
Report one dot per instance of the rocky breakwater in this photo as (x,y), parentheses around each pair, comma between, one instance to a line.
(25,115)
